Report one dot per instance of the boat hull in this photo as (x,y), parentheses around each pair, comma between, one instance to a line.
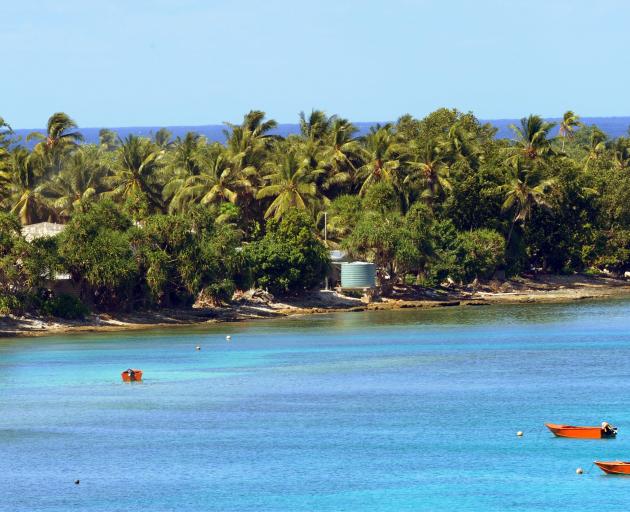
(579,432)
(615,467)
(135,376)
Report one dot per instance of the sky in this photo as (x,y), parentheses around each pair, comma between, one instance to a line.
(196,62)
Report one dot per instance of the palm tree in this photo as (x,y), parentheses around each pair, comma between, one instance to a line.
(6,132)
(317,126)
(428,168)
(5,141)
(218,182)
(108,139)
(162,138)
(340,153)
(78,183)
(61,137)
(621,154)
(249,142)
(381,162)
(596,146)
(137,163)
(248,147)
(22,182)
(570,121)
(532,138)
(185,159)
(290,184)
(525,189)
(460,145)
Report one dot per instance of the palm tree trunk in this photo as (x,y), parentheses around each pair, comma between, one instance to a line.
(507,243)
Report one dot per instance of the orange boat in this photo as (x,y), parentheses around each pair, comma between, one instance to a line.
(615,467)
(131,375)
(605,431)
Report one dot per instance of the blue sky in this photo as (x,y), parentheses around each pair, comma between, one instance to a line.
(193,62)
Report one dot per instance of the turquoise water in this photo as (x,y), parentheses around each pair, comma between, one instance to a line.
(388,411)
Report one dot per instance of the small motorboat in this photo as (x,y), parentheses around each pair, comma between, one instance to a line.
(615,467)
(131,375)
(605,431)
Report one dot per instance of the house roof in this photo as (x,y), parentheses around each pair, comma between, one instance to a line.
(41,230)
(337,255)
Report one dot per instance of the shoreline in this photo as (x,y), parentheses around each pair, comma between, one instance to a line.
(527,290)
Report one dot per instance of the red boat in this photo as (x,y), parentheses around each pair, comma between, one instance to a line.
(605,431)
(131,375)
(615,467)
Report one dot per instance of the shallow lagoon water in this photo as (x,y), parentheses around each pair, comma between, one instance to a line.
(389,411)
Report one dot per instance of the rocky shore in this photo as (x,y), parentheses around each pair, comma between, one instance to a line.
(257,304)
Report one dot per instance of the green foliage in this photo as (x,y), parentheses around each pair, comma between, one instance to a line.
(381,197)
(64,306)
(20,271)
(289,258)
(96,249)
(158,221)
(614,253)
(479,254)
(11,304)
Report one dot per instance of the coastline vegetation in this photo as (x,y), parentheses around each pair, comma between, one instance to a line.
(162,221)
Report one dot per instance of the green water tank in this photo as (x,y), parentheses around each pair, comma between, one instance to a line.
(358,274)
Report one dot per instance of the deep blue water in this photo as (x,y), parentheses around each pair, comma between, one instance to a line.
(613,126)
(387,411)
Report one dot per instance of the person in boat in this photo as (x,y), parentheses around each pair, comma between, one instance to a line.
(131,373)
(608,429)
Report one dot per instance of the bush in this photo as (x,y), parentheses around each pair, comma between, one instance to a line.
(96,250)
(480,253)
(289,258)
(10,304)
(65,306)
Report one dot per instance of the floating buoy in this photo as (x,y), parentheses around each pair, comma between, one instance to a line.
(519,433)
(77,482)
(579,471)
(198,347)
(228,337)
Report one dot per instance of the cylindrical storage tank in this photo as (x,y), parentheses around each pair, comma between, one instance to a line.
(358,274)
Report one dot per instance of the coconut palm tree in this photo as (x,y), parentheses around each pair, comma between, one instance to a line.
(340,154)
(163,138)
(218,182)
(61,137)
(22,182)
(525,189)
(570,121)
(249,146)
(428,170)
(290,184)
(596,147)
(249,142)
(185,159)
(108,139)
(80,181)
(621,154)
(532,138)
(137,162)
(317,126)
(6,132)
(380,158)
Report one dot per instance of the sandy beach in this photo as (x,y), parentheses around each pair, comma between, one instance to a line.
(252,306)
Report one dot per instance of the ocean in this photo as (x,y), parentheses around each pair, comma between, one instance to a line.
(385,411)
(613,126)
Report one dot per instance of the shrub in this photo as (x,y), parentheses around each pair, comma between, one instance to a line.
(479,254)
(65,306)
(10,304)
(289,258)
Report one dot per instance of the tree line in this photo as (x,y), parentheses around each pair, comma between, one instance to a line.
(160,220)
